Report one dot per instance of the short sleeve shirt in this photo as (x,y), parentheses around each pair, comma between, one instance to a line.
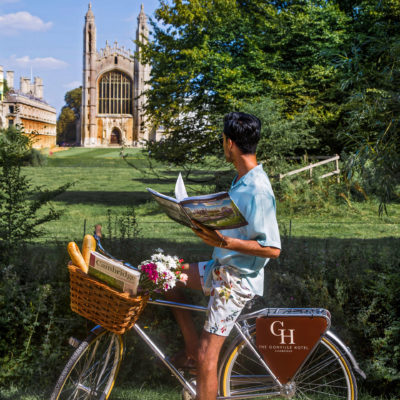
(253,195)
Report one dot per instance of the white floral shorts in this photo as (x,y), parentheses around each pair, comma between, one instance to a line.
(228,295)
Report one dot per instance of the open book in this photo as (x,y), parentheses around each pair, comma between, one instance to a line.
(215,211)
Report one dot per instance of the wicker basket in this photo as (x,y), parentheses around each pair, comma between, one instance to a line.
(103,305)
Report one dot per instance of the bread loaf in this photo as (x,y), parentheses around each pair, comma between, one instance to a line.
(88,245)
(76,257)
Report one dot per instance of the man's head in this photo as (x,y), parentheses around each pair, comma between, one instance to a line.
(244,130)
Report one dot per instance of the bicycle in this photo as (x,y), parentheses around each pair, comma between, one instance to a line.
(286,352)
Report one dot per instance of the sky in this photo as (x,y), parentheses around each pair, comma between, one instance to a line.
(44,38)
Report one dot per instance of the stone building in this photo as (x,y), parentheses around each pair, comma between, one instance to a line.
(26,107)
(113,81)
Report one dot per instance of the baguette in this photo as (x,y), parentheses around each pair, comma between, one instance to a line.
(76,257)
(88,245)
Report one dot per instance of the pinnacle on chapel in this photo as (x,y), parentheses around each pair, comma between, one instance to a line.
(90,12)
(142,14)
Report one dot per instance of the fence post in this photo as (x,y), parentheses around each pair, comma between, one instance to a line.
(337,169)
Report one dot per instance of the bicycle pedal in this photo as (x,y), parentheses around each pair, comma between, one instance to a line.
(74,342)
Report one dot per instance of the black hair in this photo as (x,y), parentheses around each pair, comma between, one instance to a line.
(243,129)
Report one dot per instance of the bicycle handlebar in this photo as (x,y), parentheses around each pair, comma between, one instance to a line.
(106,253)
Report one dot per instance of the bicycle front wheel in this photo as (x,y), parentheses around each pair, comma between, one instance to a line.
(92,369)
(326,375)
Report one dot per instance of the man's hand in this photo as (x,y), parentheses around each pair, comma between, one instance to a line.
(210,237)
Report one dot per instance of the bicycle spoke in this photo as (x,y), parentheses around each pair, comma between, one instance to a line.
(92,374)
(246,377)
(324,393)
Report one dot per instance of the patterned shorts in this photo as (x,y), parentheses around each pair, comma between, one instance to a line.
(228,295)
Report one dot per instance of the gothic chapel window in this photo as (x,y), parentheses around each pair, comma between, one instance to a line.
(115,93)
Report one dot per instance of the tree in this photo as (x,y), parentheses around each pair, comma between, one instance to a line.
(21,214)
(371,103)
(73,100)
(280,135)
(69,116)
(210,57)
(66,126)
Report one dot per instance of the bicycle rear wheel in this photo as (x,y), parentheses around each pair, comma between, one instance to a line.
(92,369)
(326,375)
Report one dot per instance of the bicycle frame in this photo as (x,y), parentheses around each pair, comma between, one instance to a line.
(242,328)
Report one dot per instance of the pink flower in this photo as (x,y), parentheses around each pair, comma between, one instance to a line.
(183,278)
(150,270)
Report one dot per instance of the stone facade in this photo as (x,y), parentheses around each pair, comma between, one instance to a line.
(113,80)
(27,108)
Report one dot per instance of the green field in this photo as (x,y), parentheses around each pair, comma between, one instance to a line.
(103,181)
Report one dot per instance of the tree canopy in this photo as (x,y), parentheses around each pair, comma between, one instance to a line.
(210,57)
(327,71)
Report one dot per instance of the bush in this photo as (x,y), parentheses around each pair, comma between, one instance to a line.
(35,319)
(35,158)
(21,206)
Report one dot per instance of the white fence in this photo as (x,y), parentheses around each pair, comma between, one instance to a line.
(310,168)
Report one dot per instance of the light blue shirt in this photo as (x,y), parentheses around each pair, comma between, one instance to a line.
(253,195)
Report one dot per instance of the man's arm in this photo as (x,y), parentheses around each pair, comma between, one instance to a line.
(251,247)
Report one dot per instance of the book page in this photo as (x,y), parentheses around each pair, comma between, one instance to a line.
(180,190)
(217,212)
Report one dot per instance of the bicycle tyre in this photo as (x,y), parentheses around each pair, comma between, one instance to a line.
(91,371)
(326,375)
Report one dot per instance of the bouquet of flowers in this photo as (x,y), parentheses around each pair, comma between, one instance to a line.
(160,273)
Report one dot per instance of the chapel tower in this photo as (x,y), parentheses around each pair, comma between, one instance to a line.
(88,112)
(142,75)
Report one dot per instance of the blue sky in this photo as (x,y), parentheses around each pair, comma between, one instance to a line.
(47,36)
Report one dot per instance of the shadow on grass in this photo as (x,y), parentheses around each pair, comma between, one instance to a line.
(127,198)
(156,181)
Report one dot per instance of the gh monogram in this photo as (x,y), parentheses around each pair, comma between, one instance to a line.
(281,332)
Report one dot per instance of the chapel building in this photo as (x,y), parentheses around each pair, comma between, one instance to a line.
(113,83)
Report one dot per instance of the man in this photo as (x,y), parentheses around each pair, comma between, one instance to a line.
(235,274)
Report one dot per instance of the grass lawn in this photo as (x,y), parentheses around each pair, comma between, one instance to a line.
(104,183)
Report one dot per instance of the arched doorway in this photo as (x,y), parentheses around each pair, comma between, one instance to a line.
(115,136)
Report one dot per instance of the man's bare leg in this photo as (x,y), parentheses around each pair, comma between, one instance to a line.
(184,317)
(207,364)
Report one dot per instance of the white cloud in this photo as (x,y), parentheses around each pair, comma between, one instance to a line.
(11,24)
(72,85)
(38,62)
